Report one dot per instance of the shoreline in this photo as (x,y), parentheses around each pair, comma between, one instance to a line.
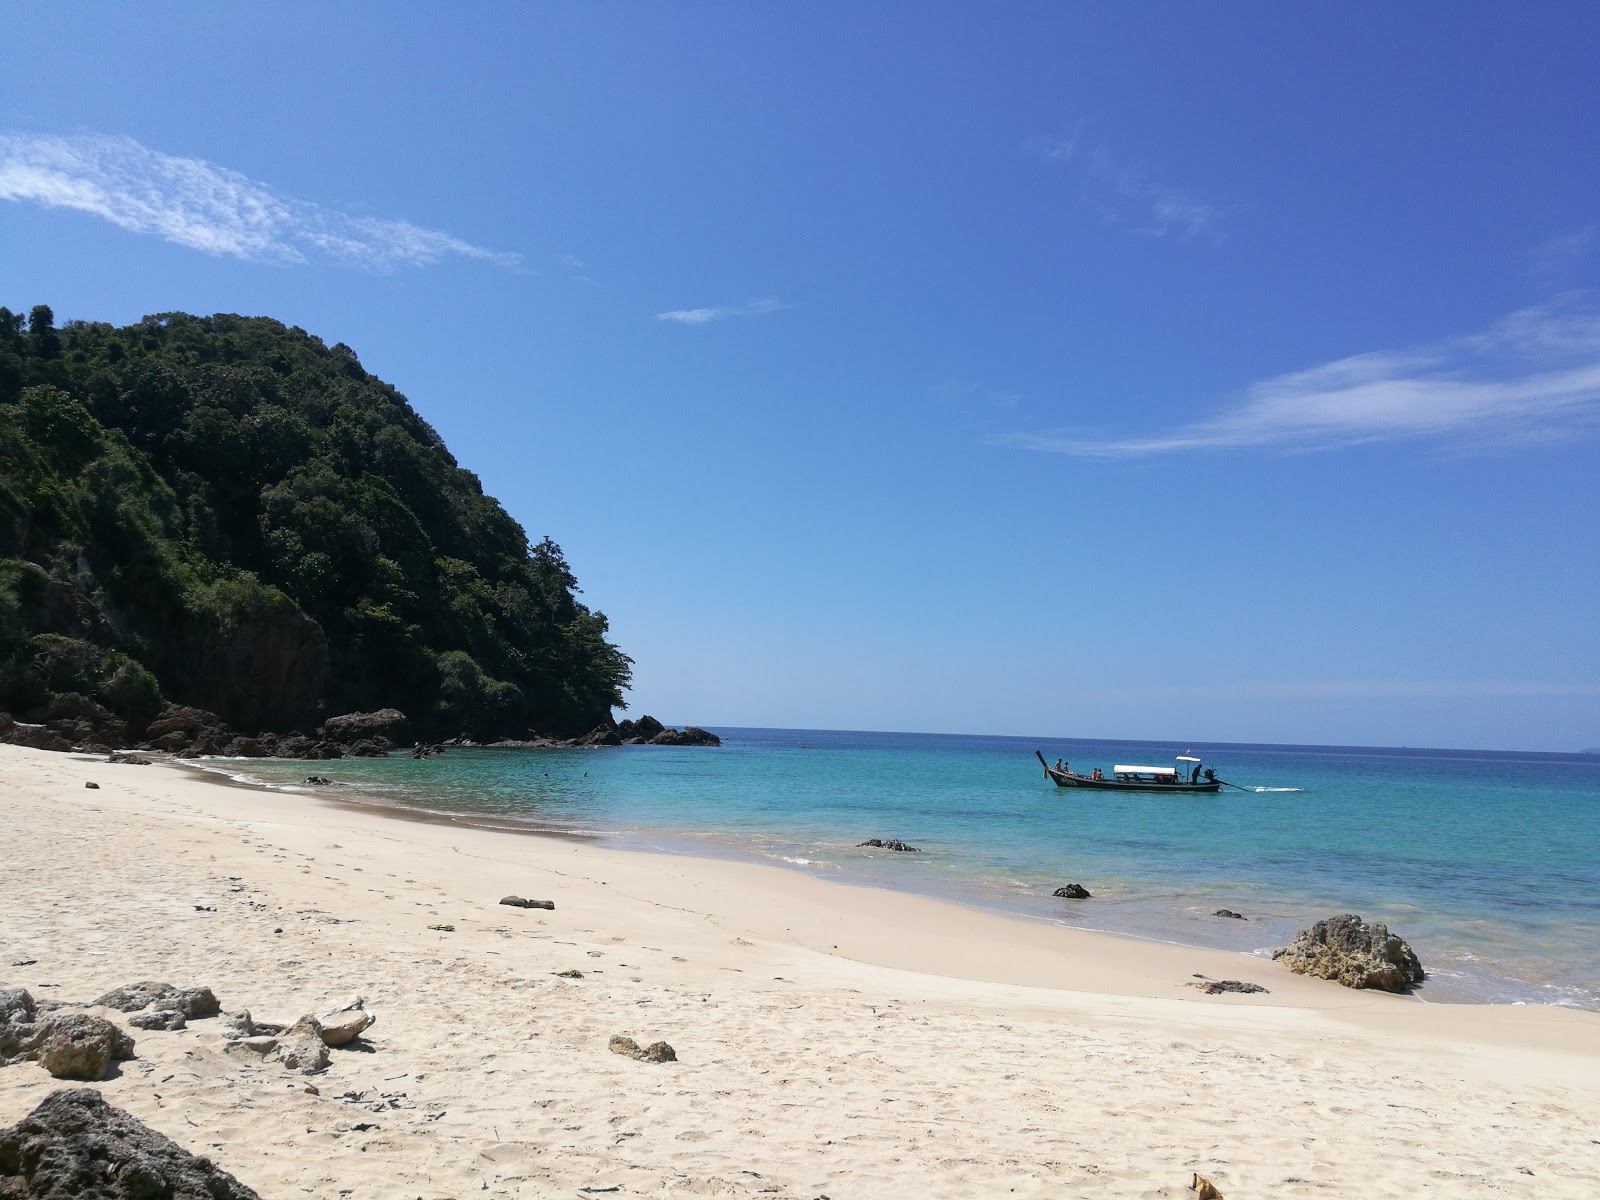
(830,1040)
(1137,908)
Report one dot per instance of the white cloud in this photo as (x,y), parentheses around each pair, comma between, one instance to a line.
(1126,195)
(702,316)
(1534,375)
(207,207)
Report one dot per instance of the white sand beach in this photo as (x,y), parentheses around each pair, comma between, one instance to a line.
(831,1040)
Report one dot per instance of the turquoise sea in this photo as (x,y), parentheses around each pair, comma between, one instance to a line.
(1488,863)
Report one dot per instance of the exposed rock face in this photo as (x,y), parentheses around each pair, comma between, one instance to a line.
(658,1052)
(76,719)
(80,1046)
(1073,891)
(386,723)
(1347,950)
(277,647)
(642,730)
(75,1146)
(602,735)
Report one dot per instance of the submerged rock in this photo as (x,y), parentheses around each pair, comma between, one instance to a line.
(880,844)
(1347,950)
(1228,912)
(1073,891)
(75,1145)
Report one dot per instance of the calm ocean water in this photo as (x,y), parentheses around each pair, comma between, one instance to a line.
(1488,863)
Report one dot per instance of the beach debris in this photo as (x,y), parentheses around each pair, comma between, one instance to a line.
(23,962)
(318,780)
(892,844)
(343,1023)
(569,973)
(301,1047)
(90,784)
(1347,950)
(1204,1188)
(443,928)
(657,1052)
(75,1144)
(1073,891)
(80,1046)
(519,902)
(1228,912)
(1213,987)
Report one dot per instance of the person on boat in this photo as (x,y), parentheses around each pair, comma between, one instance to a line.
(1060,766)
(1098,774)
(1211,776)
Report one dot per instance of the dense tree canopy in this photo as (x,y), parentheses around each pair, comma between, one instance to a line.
(227,512)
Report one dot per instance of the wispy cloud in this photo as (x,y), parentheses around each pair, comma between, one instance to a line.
(208,207)
(1534,375)
(703,316)
(1126,194)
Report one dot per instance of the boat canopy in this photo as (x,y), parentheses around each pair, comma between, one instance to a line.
(1186,758)
(1121,770)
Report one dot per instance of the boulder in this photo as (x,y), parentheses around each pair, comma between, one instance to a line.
(343,1023)
(1347,950)
(35,737)
(294,745)
(194,1003)
(369,748)
(519,902)
(301,1048)
(318,780)
(19,1031)
(243,747)
(1228,912)
(81,1046)
(602,735)
(167,1020)
(181,718)
(128,760)
(892,844)
(173,742)
(1073,891)
(387,723)
(75,1145)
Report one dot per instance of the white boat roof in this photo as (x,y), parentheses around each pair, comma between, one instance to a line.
(1186,758)
(1120,770)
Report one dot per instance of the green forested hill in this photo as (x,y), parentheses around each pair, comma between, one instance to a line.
(225,512)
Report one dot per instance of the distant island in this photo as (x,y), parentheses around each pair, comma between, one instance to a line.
(224,533)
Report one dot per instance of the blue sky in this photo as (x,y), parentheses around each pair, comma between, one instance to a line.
(1167,371)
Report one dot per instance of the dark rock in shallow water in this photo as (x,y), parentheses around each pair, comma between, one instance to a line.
(880,844)
(1073,891)
(602,736)
(689,735)
(1228,912)
(645,728)
(75,1145)
(318,780)
(1347,950)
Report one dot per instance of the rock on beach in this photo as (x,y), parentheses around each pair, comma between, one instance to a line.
(1347,950)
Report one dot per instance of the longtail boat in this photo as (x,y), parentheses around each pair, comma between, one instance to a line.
(1124,778)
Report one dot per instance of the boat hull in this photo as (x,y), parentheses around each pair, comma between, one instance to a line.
(1066,779)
